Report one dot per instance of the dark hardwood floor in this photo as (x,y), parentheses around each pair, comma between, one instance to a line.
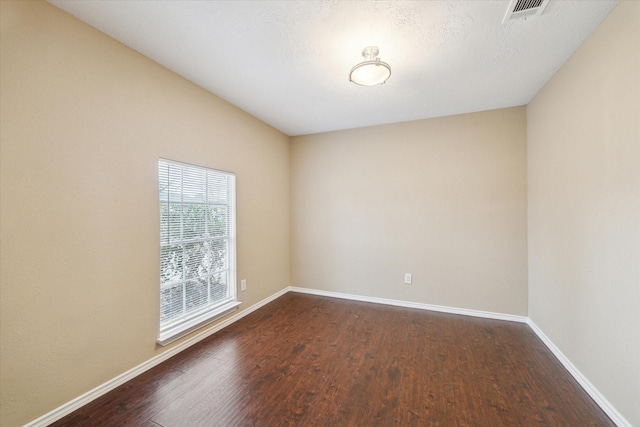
(314,361)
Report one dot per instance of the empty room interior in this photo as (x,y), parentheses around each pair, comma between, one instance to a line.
(492,182)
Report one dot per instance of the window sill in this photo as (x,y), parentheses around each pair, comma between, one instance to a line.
(172,334)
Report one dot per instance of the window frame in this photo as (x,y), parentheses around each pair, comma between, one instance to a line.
(190,322)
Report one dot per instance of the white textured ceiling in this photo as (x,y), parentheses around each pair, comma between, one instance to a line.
(287,62)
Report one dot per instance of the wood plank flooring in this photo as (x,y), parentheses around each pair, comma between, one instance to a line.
(314,361)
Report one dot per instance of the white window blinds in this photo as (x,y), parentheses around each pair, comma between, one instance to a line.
(197,247)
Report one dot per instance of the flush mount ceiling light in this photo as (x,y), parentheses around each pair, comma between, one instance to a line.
(371,71)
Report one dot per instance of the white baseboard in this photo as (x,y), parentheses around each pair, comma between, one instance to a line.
(604,404)
(102,389)
(408,304)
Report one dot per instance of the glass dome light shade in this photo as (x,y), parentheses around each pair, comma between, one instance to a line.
(372,71)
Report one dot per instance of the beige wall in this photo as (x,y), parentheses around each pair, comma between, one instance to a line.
(584,209)
(443,199)
(84,120)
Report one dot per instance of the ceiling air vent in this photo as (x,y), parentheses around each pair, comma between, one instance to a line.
(519,9)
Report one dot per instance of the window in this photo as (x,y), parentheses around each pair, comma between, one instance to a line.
(197,247)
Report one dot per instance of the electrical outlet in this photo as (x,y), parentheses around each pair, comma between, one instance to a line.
(243,285)
(407,278)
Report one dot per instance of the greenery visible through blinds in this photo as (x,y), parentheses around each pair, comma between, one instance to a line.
(195,231)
